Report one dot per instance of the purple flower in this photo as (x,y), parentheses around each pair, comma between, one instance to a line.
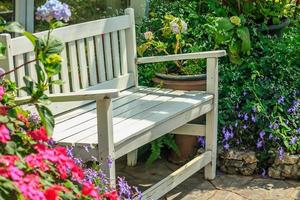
(51,142)
(274,126)
(124,188)
(53,9)
(254,109)
(260,143)
(298,130)
(281,100)
(253,118)
(263,173)
(280,153)
(201,141)
(90,174)
(245,126)
(109,161)
(262,134)
(34,118)
(139,193)
(103,177)
(226,146)
(70,151)
(78,161)
(293,140)
(245,93)
(270,136)
(246,117)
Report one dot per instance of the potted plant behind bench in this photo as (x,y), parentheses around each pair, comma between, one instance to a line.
(178,75)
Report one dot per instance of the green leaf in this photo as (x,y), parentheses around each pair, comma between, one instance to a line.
(40,73)
(4,119)
(244,35)
(30,37)
(47,118)
(11,147)
(55,46)
(57,82)
(2,50)
(224,24)
(14,27)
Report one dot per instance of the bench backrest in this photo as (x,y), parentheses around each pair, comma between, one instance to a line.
(98,55)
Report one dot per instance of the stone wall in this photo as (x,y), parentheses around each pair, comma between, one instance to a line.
(238,162)
(289,168)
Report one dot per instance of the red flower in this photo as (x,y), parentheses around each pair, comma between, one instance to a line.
(4,134)
(111,195)
(3,110)
(39,134)
(88,189)
(8,160)
(51,193)
(36,161)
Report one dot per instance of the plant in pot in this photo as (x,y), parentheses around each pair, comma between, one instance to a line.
(172,38)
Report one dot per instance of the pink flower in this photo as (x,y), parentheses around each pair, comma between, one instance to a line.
(30,187)
(8,160)
(2,91)
(36,161)
(4,134)
(88,189)
(39,134)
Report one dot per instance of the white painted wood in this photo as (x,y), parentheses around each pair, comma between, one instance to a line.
(131,45)
(186,56)
(78,96)
(91,60)
(82,63)
(75,32)
(7,63)
(108,58)
(73,66)
(105,139)
(100,58)
(177,177)
(122,83)
(212,117)
(132,158)
(20,73)
(65,71)
(31,66)
(30,15)
(116,54)
(123,52)
(190,129)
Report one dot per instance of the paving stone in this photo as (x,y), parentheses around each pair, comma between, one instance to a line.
(224,187)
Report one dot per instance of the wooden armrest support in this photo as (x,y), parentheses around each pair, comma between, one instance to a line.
(186,56)
(78,96)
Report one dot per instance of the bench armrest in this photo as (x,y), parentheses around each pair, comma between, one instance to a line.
(78,96)
(186,56)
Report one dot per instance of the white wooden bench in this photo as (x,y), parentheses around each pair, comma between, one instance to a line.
(100,104)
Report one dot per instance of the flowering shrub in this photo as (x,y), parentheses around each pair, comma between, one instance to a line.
(32,166)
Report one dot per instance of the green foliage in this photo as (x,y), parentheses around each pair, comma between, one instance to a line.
(156,146)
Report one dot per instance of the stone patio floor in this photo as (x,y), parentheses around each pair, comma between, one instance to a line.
(224,187)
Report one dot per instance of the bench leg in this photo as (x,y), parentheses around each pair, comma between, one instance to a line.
(212,118)
(105,139)
(132,158)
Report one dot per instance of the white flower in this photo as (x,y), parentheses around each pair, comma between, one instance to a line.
(148,35)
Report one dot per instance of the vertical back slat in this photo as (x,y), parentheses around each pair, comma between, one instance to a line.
(100,58)
(116,54)
(55,87)
(91,60)
(73,66)
(31,66)
(8,63)
(123,52)
(19,60)
(131,45)
(108,59)
(82,63)
(65,71)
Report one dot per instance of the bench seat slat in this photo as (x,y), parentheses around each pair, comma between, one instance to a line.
(131,122)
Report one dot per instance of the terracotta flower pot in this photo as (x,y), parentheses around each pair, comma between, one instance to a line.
(187,145)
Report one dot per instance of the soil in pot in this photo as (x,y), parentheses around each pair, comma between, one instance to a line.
(187,145)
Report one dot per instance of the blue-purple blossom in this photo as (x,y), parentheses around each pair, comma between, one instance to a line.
(245,93)
(201,141)
(274,126)
(253,118)
(103,177)
(295,107)
(262,134)
(245,126)
(298,130)
(281,100)
(178,26)
(90,174)
(78,161)
(293,140)
(226,146)
(270,136)
(70,151)
(53,9)
(86,148)
(109,161)
(246,117)
(263,173)
(124,188)
(34,118)
(254,109)
(260,143)
(280,153)
(51,142)
(139,193)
